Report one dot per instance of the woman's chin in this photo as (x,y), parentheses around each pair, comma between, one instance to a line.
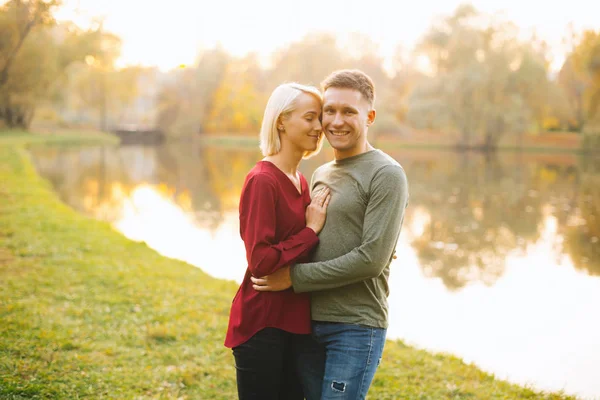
(311,147)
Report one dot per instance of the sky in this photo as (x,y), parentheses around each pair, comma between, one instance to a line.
(171,33)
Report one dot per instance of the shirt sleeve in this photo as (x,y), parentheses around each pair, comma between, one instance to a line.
(258,221)
(381,228)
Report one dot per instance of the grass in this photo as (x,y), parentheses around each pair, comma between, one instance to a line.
(87,313)
(66,137)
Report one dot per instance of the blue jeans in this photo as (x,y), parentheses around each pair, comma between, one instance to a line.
(342,362)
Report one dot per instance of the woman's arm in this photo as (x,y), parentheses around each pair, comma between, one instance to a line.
(258,222)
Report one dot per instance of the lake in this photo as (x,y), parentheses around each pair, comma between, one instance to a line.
(498,260)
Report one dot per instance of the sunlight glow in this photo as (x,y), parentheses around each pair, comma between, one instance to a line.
(419,220)
(170,34)
(150,216)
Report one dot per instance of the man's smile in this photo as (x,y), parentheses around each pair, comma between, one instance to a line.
(339,133)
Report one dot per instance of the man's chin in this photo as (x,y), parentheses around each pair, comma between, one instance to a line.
(337,144)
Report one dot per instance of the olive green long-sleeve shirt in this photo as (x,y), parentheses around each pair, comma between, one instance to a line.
(348,278)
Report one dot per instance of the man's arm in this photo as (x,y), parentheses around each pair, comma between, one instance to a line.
(382,224)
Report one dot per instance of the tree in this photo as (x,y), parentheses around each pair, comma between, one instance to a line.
(586,64)
(405,79)
(586,60)
(574,87)
(185,101)
(307,61)
(484,80)
(96,87)
(35,55)
(19,20)
(238,103)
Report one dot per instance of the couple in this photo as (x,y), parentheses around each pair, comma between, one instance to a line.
(310,317)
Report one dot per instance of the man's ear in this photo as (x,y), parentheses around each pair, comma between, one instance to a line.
(371,117)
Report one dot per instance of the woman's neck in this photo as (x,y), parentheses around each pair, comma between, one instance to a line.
(286,161)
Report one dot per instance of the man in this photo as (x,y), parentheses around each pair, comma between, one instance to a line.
(348,278)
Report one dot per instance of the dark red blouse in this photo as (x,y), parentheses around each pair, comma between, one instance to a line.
(273,228)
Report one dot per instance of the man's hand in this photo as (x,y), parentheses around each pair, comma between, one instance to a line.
(276,282)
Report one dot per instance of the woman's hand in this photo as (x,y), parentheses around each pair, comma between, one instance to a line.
(316,212)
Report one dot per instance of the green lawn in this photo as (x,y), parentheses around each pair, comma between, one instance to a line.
(87,313)
(17,137)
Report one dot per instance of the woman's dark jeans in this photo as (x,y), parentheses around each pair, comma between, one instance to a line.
(267,366)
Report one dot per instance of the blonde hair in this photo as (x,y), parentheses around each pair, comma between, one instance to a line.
(281,103)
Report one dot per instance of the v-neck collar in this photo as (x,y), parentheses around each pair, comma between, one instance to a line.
(287,178)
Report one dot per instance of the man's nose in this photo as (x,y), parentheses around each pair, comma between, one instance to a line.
(337,120)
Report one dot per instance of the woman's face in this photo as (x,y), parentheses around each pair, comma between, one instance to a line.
(302,127)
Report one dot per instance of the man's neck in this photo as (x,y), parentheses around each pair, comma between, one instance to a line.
(341,154)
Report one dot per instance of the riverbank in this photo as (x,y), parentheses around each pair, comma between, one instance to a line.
(64,137)
(543,143)
(88,313)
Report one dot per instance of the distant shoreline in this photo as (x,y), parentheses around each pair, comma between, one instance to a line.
(551,142)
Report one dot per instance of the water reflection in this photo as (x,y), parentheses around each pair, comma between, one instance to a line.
(150,215)
(498,260)
(582,234)
(534,325)
(479,211)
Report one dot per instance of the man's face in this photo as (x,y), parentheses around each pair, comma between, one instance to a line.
(346,116)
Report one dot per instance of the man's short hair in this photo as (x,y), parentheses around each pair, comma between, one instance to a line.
(351,79)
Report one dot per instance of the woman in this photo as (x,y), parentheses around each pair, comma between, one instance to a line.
(279,225)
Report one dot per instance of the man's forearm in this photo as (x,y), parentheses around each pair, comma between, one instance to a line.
(363,262)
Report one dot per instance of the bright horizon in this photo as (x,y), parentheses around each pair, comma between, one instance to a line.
(156,34)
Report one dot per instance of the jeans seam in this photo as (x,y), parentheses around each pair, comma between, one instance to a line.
(362,381)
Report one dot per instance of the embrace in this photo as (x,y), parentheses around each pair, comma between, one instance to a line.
(310,317)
